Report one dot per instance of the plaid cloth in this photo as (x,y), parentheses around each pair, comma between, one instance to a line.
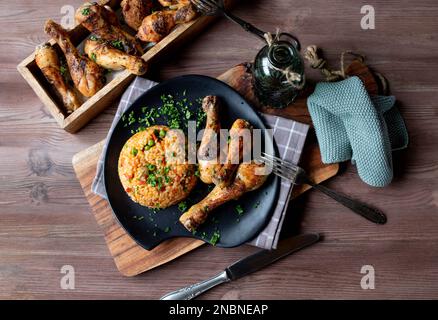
(289,136)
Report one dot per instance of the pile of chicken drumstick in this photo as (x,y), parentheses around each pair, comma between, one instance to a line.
(109,46)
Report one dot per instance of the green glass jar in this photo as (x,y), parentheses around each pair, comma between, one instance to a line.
(279,72)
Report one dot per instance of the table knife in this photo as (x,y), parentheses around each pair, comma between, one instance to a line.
(245,266)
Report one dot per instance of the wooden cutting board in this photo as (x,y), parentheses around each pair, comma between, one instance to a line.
(130,258)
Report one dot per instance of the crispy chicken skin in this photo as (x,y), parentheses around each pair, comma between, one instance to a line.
(101,22)
(237,147)
(185,13)
(134,11)
(110,58)
(48,61)
(209,164)
(169,3)
(159,24)
(246,180)
(156,26)
(87,76)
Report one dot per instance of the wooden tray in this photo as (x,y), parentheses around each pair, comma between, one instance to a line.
(130,258)
(113,89)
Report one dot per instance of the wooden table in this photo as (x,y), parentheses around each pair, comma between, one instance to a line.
(45,221)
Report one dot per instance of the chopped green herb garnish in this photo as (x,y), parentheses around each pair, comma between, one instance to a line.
(93,56)
(215,237)
(152,167)
(85,11)
(162,134)
(63,70)
(117,44)
(151,143)
(134,151)
(93,37)
(131,118)
(239,210)
(182,206)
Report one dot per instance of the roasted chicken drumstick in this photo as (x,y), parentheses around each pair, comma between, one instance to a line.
(87,76)
(239,147)
(134,11)
(159,24)
(103,23)
(209,163)
(110,58)
(47,60)
(248,178)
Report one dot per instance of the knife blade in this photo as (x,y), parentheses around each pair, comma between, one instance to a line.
(245,266)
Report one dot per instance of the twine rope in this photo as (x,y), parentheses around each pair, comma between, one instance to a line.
(291,76)
(316,62)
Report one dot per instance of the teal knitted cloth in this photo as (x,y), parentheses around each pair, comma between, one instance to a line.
(350,124)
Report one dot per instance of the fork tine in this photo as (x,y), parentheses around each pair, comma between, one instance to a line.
(283,163)
(199,5)
(279,170)
(280,161)
(203,6)
(212,3)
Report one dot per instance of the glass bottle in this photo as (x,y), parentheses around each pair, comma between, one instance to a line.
(272,85)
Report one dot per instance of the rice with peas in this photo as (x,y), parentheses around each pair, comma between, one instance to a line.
(146,176)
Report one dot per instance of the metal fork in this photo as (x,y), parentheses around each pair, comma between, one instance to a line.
(297,175)
(217,8)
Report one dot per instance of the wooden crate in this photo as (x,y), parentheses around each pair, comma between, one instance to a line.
(113,89)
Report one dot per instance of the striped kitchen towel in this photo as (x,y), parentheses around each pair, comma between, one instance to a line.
(289,136)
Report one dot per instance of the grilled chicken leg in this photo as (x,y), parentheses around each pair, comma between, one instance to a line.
(101,22)
(87,76)
(156,26)
(209,163)
(159,24)
(248,178)
(110,58)
(134,11)
(239,146)
(47,60)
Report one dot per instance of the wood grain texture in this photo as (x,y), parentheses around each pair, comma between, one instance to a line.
(45,221)
(130,258)
(113,89)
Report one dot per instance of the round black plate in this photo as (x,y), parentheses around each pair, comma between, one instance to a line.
(148,227)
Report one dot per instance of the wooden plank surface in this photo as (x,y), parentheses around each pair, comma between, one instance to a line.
(45,221)
(130,258)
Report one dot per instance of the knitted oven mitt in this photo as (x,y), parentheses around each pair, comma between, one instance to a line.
(350,124)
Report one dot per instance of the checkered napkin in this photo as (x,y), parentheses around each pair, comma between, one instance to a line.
(289,136)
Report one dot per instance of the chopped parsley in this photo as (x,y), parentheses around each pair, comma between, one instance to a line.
(182,206)
(215,237)
(93,37)
(239,210)
(85,11)
(63,70)
(134,151)
(118,44)
(93,56)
